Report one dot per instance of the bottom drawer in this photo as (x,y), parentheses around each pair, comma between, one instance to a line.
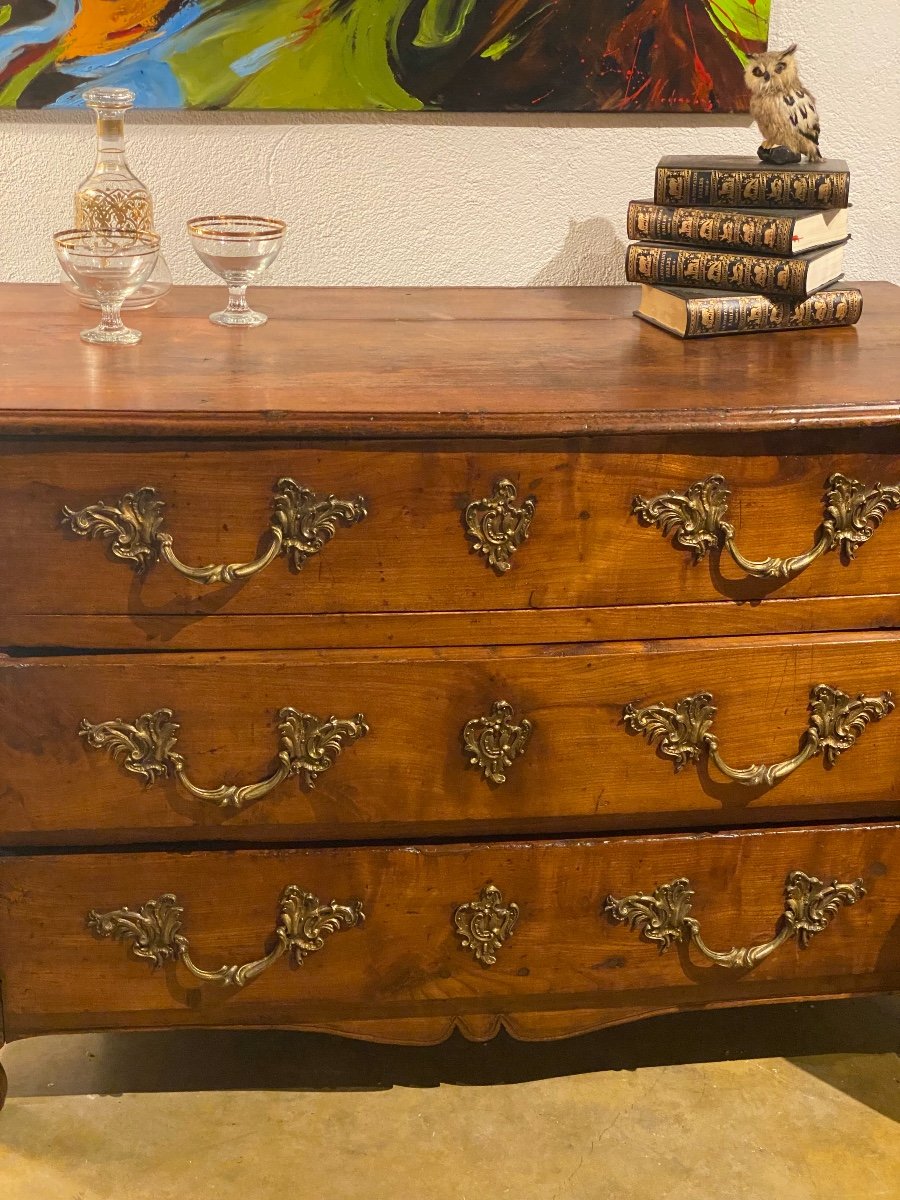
(404,943)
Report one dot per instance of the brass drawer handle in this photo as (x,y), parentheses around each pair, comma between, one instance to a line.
(493,743)
(683,732)
(154,932)
(497,526)
(696,521)
(664,916)
(484,924)
(303,522)
(308,746)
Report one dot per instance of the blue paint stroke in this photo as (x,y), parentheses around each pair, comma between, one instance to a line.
(141,66)
(154,84)
(42,33)
(250,63)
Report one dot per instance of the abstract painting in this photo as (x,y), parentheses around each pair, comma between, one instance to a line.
(389,55)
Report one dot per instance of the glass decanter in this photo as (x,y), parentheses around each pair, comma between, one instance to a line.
(112,197)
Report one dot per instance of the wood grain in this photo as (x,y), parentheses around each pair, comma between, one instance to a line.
(406,960)
(409,777)
(353,631)
(411,553)
(538,1025)
(442,362)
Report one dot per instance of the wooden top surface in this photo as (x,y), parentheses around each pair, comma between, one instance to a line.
(433,362)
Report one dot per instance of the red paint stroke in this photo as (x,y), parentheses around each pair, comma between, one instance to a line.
(629,96)
(311,20)
(629,74)
(134,30)
(699,66)
(26,57)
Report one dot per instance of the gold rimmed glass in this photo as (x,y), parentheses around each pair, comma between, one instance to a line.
(109,265)
(238,249)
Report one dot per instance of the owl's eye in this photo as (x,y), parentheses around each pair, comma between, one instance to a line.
(758,71)
(779,67)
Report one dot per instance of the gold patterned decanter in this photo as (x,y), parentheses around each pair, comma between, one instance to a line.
(112,197)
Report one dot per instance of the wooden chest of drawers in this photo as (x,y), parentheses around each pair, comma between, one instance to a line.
(435,659)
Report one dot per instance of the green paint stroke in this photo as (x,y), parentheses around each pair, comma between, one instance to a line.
(515,37)
(497,49)
(338,63)
(741,20)
(5,14)
(442,22)
(9,95)
(313,60)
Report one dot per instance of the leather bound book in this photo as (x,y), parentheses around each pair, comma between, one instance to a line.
(725,182)
(725,271)
(693,313)
(756,231)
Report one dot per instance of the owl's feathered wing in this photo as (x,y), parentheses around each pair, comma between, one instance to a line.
(802,105)
(790,119)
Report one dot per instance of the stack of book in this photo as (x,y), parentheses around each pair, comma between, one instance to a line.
(734,245)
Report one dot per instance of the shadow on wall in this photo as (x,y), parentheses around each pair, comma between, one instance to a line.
(593,254)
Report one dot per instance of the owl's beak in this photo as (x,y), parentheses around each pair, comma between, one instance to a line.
(766,76)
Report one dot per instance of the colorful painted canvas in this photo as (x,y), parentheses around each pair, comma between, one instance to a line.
(449,55)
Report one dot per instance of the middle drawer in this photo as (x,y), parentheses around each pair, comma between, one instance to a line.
(398,744)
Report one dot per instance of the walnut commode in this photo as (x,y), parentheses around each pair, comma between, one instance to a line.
(447,660)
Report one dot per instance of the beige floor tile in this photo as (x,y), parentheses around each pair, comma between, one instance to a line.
(820,1127)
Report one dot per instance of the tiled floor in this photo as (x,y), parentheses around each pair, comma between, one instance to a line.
(690,1107)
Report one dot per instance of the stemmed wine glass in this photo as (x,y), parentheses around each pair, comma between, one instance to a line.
(238,249)
(109,265)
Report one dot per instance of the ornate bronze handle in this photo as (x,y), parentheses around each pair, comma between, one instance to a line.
(498,526)
(696,521)
(663,916)
(483,925)
(302,524)
(683,732)
(309,746)
(494,743)
(154,932)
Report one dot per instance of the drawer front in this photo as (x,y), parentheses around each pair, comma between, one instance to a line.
(431,528)
(316,746)
(324,937)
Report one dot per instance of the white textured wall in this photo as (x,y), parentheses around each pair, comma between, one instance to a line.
(445,199)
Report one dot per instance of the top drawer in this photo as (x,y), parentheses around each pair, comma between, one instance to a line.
(416,527)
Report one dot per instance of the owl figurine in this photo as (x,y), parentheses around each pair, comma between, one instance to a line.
(783,108)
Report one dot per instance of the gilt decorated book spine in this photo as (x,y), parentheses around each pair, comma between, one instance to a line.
(762,188)
(710,316)
(722,229)
(724,271)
